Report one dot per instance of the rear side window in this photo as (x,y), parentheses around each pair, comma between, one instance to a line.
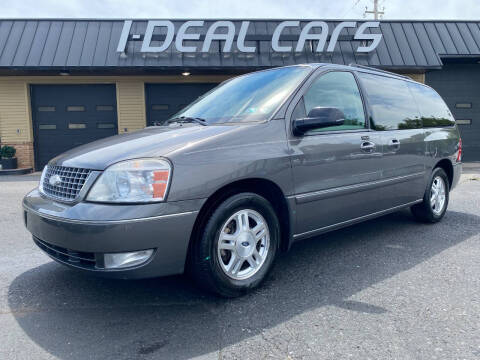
(434,111)
(392,104)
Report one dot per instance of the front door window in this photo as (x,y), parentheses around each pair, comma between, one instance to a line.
(337,89)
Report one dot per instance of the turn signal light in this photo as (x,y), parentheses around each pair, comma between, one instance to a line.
(160,181)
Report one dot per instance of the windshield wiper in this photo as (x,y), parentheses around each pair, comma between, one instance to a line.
(186,119)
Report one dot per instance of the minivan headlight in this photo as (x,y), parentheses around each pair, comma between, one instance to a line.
(42,179)
(132,181)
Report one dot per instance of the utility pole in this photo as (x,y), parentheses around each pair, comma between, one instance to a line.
(376,13)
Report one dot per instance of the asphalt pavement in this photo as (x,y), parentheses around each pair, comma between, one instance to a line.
(390,288)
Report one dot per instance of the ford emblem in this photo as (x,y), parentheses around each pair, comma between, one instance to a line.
(55,180)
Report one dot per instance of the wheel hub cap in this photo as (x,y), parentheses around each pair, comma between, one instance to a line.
(243,244)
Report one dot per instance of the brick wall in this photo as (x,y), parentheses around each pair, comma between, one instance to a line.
(24,153)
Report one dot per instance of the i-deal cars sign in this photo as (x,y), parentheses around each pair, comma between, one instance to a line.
(226,31)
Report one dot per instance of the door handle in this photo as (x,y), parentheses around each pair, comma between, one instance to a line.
(395,143)
(367,146)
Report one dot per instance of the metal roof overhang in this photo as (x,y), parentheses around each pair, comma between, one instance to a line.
(50,46)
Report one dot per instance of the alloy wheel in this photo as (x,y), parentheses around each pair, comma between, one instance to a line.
(437,195)
(243,244)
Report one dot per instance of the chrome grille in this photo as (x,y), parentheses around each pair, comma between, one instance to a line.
(72,181)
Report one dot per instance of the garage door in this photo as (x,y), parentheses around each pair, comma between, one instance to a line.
(459,85)
(165,100)
(66,116)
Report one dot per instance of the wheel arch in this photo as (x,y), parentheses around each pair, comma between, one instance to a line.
(447,166)
(263,187)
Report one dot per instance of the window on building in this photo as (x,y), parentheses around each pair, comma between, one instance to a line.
(466,105)
(76,108)
(47,127)
(46,108)
(334,89)
(160,107)
(105,126)
(104,108)
(392,104)
(77,126)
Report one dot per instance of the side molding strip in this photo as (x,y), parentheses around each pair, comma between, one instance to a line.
(324,194)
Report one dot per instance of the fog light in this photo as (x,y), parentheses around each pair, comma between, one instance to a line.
(123,260)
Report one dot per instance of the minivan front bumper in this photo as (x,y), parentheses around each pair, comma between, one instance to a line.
(79,235)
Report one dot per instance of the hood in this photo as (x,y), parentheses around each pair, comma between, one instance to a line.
(149,142)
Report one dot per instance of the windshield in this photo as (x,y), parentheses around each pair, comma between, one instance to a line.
(251,97)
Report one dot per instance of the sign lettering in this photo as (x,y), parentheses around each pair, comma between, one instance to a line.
(225,31)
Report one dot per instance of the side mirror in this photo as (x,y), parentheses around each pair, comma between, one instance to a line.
(318,117)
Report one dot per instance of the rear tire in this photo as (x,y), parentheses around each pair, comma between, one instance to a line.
(237,246)
(435,200)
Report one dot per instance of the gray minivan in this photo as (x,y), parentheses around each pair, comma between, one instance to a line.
(259,162)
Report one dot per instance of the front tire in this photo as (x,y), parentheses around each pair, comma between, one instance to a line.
(435,200)
(237,247)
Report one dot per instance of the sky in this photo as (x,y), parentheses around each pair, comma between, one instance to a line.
(267,9)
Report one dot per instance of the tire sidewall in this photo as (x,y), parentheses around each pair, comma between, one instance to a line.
(211,234)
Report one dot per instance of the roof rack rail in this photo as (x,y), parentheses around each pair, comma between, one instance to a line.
(379,70)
